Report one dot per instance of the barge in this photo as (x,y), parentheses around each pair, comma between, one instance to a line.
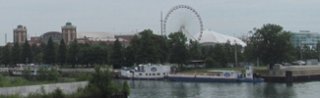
(217,76)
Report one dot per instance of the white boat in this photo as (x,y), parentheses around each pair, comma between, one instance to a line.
(146,72)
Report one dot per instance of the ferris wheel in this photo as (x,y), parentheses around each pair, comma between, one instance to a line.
(185,19)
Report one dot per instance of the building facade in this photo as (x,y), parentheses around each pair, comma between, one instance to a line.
(54,35)
(20,34)
(305,38)
(69,33)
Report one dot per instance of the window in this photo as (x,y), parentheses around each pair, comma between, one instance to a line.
(140,74)
(158,74)
(146,74)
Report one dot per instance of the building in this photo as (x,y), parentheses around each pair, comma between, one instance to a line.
(69,33)
(212,38)
(20,34)
(305,38)
(54,35)
(35,40)
(97,38)
(124,39)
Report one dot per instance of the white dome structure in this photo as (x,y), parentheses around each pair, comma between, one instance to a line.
(211,37)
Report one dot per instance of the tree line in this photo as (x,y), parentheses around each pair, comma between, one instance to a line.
(269,44)
(145,47)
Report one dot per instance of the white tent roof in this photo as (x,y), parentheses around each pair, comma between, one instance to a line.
(214,37)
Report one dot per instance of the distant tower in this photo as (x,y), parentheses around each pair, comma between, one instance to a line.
(20,34)
(69,32)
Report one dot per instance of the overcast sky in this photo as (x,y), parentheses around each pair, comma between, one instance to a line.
(231,17)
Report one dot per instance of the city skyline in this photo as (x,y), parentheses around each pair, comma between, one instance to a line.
(123,16)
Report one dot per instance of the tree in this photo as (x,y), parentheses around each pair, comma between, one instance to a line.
(15,54)
(38,53)
(26,53)
(72,54)
(117,57)
(62,52)
(271,44)
(220,55)
(49,52)
(147,51)
(178,49)
(147,47)
(194,50)
(5,55)
(318,50)
(101,85)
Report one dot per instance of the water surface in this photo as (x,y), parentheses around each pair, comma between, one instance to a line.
(167,89)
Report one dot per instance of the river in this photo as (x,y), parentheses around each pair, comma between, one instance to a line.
(167,89)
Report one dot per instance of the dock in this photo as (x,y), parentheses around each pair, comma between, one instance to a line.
(296,73)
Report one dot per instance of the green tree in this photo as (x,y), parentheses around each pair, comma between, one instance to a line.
(178,50)
(220,55)
(318,50)
(148,48)
(62,53)
(38,53)
(5,55)
(100,85)
(49,52)
(117,57)
(72,54)
(26,53)
(271,44)
(15,54)
(194,50)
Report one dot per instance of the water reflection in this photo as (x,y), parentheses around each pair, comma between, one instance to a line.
(167,89)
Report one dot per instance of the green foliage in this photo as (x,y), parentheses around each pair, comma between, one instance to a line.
(101,84)
(210,62)
(5,55)
(117,57)
(49,52)
(194,50)
(15,54)
(48,74)
(147,47)
(178,48)
(72,54)
(126,88)
(62,53)
(271,44)
(58,93)
(26,53)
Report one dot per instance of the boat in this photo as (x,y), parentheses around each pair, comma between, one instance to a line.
(146,72)
(217,76)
